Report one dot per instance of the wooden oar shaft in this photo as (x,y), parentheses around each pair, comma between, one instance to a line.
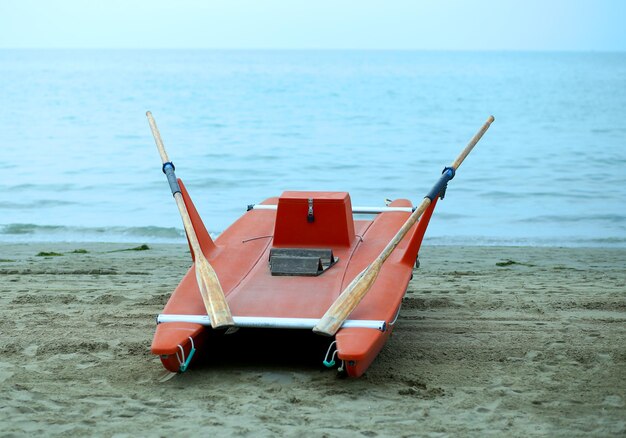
(475,139)
(426,202)
(157,138)
(208,283)
(404,230)
(352,295)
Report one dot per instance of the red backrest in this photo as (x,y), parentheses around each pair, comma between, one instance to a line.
(332,223)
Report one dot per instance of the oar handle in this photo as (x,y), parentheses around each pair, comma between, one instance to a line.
(168,166)
(475,139)
(448,173)
(157,138)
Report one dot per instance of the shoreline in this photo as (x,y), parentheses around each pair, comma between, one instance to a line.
(522,341)
(26,233)
(428,242)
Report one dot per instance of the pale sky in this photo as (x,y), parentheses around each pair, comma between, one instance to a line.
(598,25)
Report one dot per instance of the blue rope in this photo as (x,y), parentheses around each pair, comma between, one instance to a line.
(330,363)
(184,366)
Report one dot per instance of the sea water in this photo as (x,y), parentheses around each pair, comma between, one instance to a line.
(79,163)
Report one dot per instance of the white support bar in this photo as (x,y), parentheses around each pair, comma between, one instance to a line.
(355,209)
(376,210)
(269,322)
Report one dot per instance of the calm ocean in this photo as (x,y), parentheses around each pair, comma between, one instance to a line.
(79,162)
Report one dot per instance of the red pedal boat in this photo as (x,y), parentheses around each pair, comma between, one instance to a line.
(286,261)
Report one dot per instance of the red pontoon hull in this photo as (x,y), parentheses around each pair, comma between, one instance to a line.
(240,258)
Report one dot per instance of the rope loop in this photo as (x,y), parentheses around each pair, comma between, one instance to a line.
(184,364)
(396,317)
(330,363)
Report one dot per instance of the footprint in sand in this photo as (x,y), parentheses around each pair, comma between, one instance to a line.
(5,374)
(613,400)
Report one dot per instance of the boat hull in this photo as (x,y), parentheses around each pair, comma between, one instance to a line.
(310,220)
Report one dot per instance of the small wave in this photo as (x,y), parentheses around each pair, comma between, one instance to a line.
(607,130)
(498,194)
(46,203)
(27,228)
(567,242)
(291,134)
(28,187)
(60,233)
(128,137)
(607,218)
(445,215)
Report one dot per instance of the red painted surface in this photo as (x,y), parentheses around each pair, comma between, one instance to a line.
(206,243)
(240,258)
(332,223)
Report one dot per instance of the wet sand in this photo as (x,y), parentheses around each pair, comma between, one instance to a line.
(490,342)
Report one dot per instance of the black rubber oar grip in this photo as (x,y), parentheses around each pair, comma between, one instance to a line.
(168,170)
(440,186)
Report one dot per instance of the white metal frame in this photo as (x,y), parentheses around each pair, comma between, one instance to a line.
(355,209)
(270,322)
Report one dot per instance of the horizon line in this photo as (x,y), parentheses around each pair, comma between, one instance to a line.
(328,49)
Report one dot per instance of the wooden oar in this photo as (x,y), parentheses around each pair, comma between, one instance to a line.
(358,288)
(208,283)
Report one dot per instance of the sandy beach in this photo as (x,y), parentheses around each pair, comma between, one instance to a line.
(491,341)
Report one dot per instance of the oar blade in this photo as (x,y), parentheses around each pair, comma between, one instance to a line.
(208,283)
(212,294)
(345,304)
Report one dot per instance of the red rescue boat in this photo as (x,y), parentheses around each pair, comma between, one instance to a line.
(286,261)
